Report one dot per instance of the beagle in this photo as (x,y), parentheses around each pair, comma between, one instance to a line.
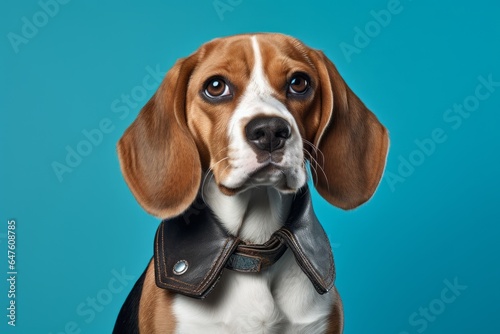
(220,153)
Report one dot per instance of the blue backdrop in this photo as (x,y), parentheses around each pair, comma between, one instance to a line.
(421,256)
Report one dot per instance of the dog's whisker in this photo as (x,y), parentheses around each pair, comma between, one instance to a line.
(313,168)
(222,149)
(324,174)
(315,160)
(315,165)
(213,176)
(210,172)
(316,150)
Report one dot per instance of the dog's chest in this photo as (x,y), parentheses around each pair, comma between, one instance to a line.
(278,300)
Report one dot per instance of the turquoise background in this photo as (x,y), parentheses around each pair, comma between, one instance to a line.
(392,254)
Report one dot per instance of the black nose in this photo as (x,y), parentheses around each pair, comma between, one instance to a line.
(268,133)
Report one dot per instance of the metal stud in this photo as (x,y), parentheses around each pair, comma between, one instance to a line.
(180,267)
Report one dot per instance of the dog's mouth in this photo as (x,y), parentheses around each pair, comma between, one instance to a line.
(268,174)
(267,170)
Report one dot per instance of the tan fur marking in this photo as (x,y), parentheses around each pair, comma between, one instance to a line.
(158,156)
(232,59)
(336,325)
(155,309)
(352,141)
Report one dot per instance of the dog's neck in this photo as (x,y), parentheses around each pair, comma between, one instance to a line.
(252,215)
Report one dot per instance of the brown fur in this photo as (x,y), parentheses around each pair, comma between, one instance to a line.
(158,156)
(155,309)
(352,141)
(231,58)
(336,325)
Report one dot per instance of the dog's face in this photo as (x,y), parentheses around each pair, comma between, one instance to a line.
(247,108)
(252,109)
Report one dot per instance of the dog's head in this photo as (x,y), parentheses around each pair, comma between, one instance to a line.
(252,109)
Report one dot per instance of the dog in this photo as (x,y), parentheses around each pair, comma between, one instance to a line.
(220,152)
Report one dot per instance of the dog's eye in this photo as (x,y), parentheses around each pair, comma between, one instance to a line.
(217,87)
(299,84)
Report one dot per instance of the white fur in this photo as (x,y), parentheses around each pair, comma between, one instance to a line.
(280,299)
(258,100)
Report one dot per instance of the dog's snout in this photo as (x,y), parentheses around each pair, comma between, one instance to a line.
(268,133)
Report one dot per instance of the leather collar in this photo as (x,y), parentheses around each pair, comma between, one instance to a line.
(192,249)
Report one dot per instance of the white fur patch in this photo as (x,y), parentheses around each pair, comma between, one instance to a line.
(258,100)
(280,300)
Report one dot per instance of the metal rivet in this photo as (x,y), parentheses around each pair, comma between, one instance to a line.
(180,267)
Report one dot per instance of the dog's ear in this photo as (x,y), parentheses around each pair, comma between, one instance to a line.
(158,156)
(352,142)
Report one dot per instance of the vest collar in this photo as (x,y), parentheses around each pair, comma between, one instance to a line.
(192,249)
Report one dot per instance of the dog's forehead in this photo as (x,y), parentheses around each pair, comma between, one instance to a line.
(282,48)
(228,54)
(236,54)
